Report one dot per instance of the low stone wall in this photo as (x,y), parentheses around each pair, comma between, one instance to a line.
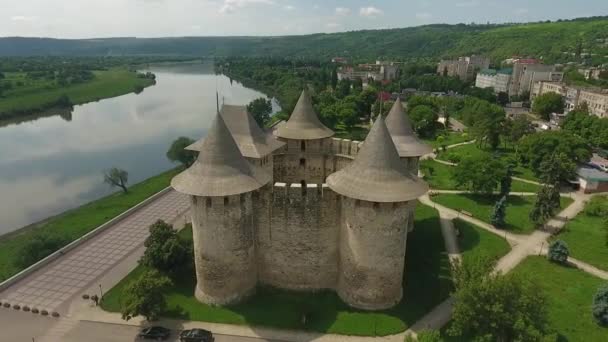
(17,277)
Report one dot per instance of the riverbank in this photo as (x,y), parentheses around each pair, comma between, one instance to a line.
(75,223)
(37,97)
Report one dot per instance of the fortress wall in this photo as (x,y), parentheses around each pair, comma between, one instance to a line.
(372,253)
(265,163)
(223,232)
(298,249)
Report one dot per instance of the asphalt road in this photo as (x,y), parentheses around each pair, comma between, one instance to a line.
(19,326)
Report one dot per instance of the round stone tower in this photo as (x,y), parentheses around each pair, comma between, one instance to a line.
(221,183)
(308,145)
(377,192)
(409,147)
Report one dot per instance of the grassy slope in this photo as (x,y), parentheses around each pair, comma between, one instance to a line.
(471,237)
(570,292)
(450,139)
(586,239)
(79,221)
(481,207)
(427,284)
(106,84)
(441,178)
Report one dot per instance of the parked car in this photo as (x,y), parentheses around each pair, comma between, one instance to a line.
(154,333)
(196,335)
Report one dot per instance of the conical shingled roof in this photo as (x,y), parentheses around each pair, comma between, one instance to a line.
(249,137)
(220,169)
(400,128)
(377,174)
(303,124)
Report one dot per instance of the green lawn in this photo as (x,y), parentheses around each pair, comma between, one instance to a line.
(587,238)
(39,95)
(570,292)
(474,241)
(473,150)
(79,221)
(451,138)
(427,283)
(481,207)
(439,176)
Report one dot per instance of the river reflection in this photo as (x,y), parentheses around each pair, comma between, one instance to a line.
(50,164)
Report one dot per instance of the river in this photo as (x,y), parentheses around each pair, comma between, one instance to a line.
(51,164)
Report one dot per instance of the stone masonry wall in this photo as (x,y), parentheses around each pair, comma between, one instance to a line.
(223,232)
(372,253)
(298,242)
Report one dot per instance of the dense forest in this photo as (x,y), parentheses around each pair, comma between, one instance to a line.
(554,41)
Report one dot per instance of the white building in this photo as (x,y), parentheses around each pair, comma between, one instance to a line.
(464,68)
(526,72)
(596,99)
(497,79)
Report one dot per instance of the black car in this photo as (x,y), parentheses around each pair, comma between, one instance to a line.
(154,333)
(196,335)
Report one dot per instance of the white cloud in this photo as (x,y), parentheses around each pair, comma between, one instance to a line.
(230,6)
(315,7)
(423,15)
(342,11)
(332,25)
(521,11)
(23,18)
(289,8)
(370,11)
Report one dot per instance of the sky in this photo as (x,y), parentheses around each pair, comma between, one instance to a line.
(165,18)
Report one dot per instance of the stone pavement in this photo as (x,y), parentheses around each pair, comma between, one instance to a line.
(52,287)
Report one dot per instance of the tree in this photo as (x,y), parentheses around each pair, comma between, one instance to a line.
(165,251)
(547,201)
(600,306)
(178,153)
(424,119)
(441,141)
(557,168)
(506,181)
(490,306)
(502,98)
(260,109)
(145,296)
(558,252)
(334,78)
(535,148)
(548,103)
(39,247)
(479,173)
(499,213)
(518,128)
(117,177)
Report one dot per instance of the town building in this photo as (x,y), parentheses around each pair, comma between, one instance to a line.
(302,210)
(380,71)
(592,180)
(527,72)
(596,99)
(464,68)
(500,80)
(592,73)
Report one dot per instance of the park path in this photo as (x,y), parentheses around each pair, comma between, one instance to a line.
(55,285)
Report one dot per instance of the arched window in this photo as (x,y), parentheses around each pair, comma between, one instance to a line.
(303,162)
(303,146)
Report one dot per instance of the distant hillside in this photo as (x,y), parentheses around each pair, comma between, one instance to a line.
(549,40)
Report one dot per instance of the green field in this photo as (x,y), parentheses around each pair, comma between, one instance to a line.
(451,138)
(439,176)
(79,221)
(38,95)
(587,239)
(570,292)
(474,150)
(481,207)
(474,241)
(427,283)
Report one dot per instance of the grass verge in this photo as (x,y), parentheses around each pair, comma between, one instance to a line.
(481,207)
(587,238)
(474,241)
(79,221)
(426,284)
(570,292)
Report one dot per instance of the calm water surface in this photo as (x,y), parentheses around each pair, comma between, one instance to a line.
(50,164)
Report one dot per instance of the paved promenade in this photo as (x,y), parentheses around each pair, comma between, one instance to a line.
(52,287)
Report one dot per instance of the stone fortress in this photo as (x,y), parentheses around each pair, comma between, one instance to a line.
(298,209)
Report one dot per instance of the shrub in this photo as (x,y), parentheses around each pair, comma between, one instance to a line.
(558,252)
(453,157)
(600,306)
(39,247)
(598,206)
